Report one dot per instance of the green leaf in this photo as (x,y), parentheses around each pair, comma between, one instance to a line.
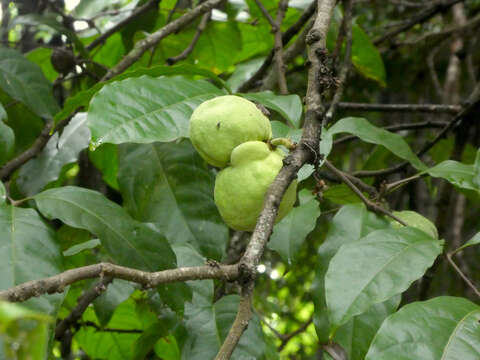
(457,173)
(341,194)
(105,159)
(7,142)
(99,344)
(350,224)
(23,332)
(3,113)
(473,241)
(372,134)
(365,56)
(146,342)
(28,251)
(216,49)
(290,233)
(145,109)
(41,56)
(3,194)
(476,169)
(243,72)
(59,151)
(375,268)
(105,305)
(87,245)
(444,328)
(170,185)
(208,326)
(24,81)
(83,98)
(289,106)
(356,335)
(127,241)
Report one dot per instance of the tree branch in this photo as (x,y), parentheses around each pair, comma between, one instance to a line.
(57,283)
(137,13)
(286,37)
(421,17)
(40,142)
(188,50)
(153,39)
(418,108)
(305,151)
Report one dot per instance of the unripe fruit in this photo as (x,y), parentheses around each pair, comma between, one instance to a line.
(240,188)
(414,219)
(218,125)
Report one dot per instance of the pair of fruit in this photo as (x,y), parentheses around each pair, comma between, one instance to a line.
(230,132)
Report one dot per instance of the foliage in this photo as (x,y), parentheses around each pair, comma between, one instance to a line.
(113,177)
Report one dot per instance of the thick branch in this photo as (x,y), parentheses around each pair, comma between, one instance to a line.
(153,39)
(57,283)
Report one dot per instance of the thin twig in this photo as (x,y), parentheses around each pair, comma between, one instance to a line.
(278,47)
(188,50)
(462,275)
(82,303)
(421,17)
(469,105)
(112,330)
(368,203)
(345,65)
(137,13)
(40,142)
(57,283)
(287,337)
(289,34)
(408,126)
(402,108)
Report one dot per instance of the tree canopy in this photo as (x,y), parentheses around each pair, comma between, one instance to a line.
(111,242)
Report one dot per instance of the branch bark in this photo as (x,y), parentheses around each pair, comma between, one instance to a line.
(57,283)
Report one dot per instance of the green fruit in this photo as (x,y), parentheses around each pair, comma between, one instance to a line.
(240,188)
(414,219)
(218,125)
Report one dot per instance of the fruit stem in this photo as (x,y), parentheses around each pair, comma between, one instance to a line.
(289,144)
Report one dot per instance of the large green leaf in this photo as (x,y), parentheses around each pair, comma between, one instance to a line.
(446,328)
(356,335)
(217,47)
(350,224)
(365,56)
(28,251)
(171,186)
(457,173)
(372,134)
(23,332)
(24,81)
(290,233)
(105,305)
(289,106)
(380,265)
(105,159)
(127,241)
(59,151)
(243,72)
(83,98)
(146,109)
